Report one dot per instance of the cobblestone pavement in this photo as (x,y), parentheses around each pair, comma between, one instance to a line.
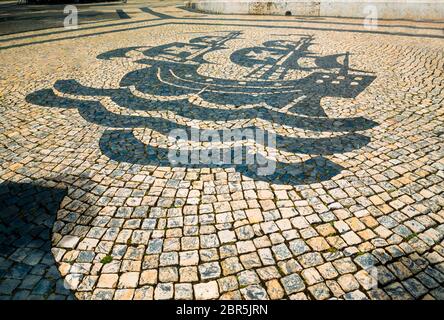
(91,208)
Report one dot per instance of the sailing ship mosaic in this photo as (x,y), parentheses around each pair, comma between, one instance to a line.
(282,85)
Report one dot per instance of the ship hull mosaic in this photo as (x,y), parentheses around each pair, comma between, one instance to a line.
(280,89)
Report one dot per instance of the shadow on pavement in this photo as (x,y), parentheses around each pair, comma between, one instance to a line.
(27,266)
